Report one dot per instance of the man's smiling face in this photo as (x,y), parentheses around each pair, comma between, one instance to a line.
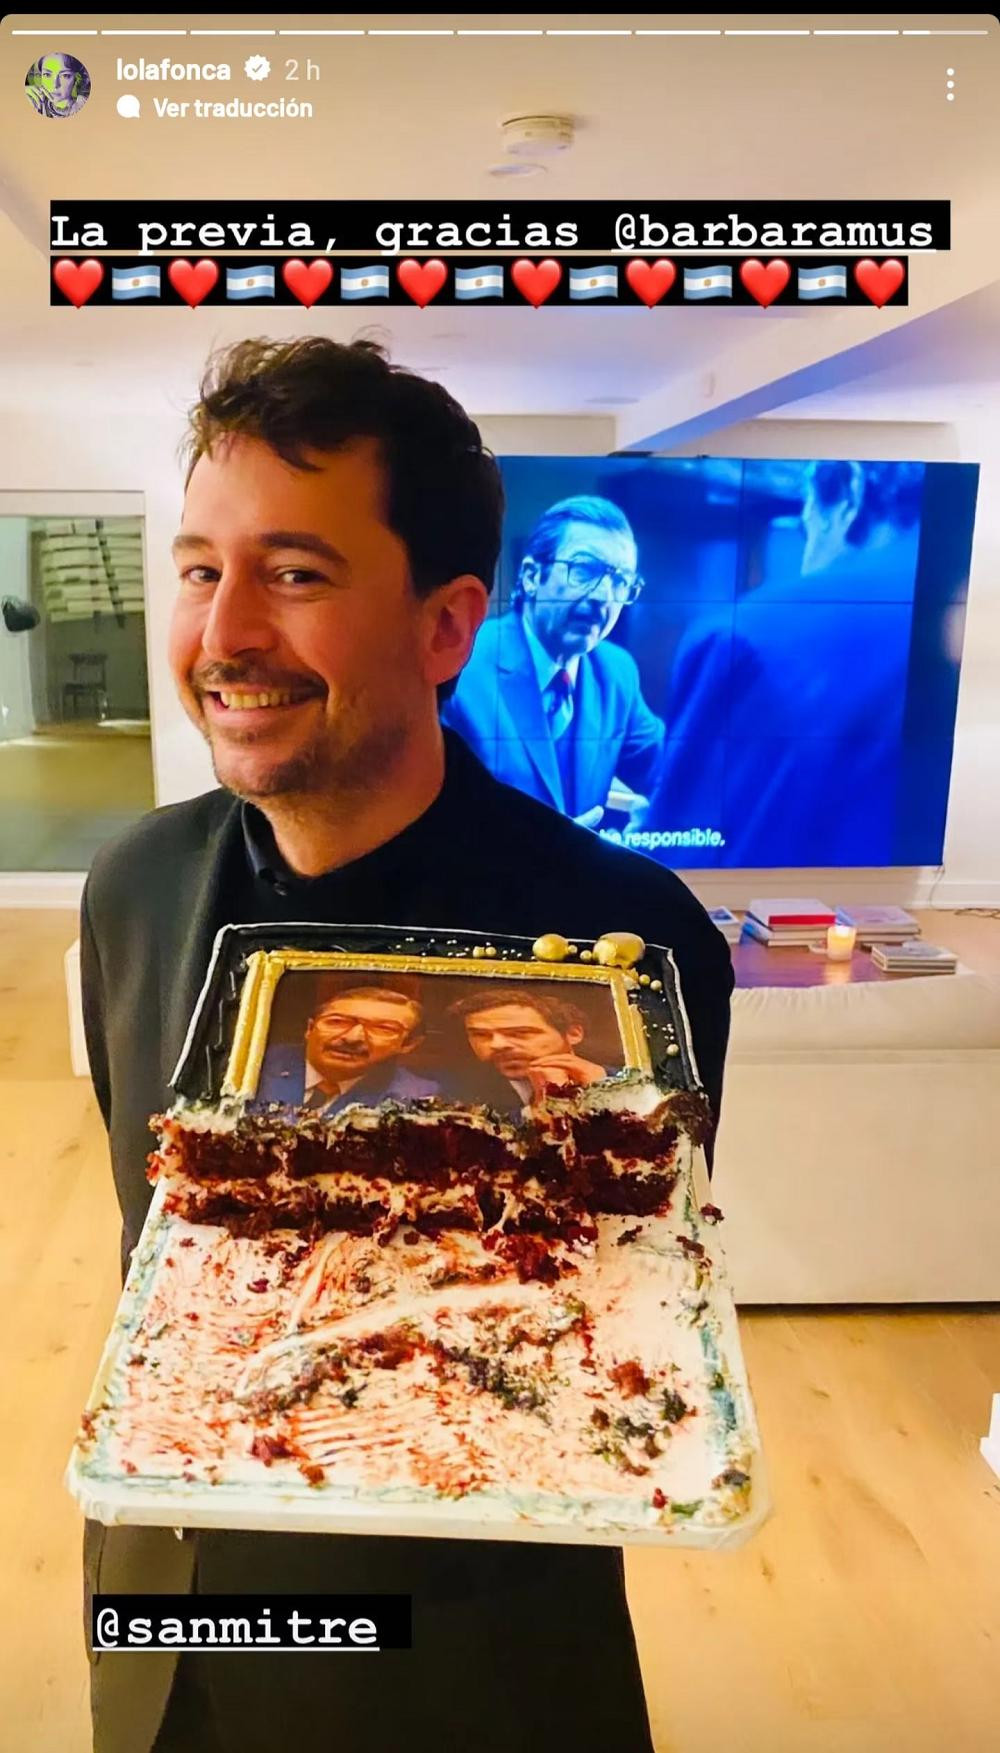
(297,639)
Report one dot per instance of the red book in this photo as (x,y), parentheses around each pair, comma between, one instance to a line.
(775,913)
(802,919)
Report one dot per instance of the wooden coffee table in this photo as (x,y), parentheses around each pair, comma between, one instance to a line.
(756,964)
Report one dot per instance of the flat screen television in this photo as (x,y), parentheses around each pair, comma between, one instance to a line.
(729,664)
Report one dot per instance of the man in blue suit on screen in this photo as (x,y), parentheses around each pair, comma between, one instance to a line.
(353,1047)
(547,702)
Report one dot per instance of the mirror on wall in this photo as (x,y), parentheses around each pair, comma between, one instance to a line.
(75,753)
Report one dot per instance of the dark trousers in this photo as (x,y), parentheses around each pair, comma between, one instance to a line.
(516,1649)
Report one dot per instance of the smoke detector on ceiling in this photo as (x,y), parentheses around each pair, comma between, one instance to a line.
(537,136)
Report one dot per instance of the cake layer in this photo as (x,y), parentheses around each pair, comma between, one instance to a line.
(431,1165)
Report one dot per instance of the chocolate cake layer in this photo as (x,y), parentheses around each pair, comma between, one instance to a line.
(432,1166)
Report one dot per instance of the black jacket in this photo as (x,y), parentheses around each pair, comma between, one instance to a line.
(487,858)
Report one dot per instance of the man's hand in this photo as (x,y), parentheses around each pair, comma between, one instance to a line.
(559,1069)
(630,803)
(590,818)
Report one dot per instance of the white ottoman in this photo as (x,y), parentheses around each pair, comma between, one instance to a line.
(858,1158)
(74,1006)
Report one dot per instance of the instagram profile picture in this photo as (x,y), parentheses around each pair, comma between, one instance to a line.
(57,85)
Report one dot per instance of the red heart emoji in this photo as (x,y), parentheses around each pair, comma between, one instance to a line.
(536,281)
(651,281)
(421,281)
(78,281)
(192,280)
(307,281)
(879,281)
(764,283)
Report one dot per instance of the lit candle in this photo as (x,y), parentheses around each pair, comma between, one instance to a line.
(840,941)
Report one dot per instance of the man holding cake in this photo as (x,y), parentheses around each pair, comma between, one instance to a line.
(340,530)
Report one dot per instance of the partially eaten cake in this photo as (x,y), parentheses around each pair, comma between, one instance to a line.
(431,1317)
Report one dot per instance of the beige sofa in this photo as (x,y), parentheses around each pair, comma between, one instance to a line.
(858,1158)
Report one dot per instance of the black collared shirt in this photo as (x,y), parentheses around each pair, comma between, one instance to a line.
(383,887)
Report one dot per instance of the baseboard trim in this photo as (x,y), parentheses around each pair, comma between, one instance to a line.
(46,888)
(900,888)
(63,888)
(959,894)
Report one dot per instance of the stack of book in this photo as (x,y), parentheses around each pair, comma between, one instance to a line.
(726,922)
(914,957)
(794,920)
(879,924)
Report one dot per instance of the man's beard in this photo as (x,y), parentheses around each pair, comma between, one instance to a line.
(348,761)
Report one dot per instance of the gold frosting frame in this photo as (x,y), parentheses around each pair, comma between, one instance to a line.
(265,969)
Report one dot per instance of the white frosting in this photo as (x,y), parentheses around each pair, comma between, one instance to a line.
(184,1413)
(494,1393)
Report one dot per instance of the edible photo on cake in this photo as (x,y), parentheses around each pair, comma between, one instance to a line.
(360,1038)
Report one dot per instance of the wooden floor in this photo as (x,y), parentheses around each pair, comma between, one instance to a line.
(864,1618)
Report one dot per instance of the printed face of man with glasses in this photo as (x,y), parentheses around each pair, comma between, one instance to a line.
(574,600)
(354,1032)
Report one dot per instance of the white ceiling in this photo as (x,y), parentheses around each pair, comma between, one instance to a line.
(401,118)
(945,365)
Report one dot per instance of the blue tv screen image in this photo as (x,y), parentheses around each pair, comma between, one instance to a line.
(725,663)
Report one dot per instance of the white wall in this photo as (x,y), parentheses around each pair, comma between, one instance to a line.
(555,435)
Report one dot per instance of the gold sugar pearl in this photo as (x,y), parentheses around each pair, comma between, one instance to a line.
(478,951)
(656,986)
(628,947)
(572,951)
(586,955)
(550,947)
(673,1050)
(643,979)
(489,950)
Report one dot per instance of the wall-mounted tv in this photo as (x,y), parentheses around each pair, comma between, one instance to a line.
(729,664)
